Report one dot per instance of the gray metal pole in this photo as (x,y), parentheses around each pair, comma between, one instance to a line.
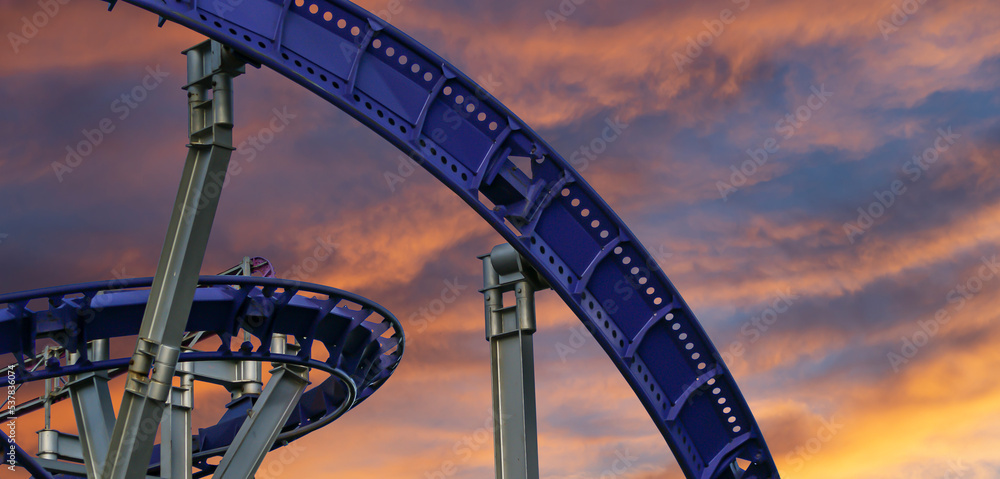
(509,330)
(267,417)
(175,432)
(151,370)
(95,414)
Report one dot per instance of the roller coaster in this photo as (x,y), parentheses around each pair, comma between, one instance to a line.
(558,226)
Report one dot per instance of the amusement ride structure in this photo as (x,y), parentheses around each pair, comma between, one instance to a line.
(560,233)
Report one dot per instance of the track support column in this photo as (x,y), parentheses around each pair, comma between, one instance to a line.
(258,433)
(509,330)
(175,432)
(211,68)
(95,415)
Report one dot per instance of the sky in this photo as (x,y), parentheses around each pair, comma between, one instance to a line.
(818,179)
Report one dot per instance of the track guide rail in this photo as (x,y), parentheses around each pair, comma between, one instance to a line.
(466,138)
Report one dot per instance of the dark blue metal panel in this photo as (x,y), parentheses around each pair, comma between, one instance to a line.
(222,306)
(465,138)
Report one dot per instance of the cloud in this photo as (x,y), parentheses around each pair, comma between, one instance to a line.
(321,182)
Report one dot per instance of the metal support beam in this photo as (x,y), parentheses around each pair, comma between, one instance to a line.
(50,466)
(509,330)
(239,376)
(258,433)
(95,414)
(54,445)
(211,66)
(175,432)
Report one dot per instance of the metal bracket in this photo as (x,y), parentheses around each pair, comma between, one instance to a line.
(509,330)
(211,67)
(175,431)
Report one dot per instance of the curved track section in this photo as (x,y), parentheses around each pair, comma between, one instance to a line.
(364,341)
(468,140)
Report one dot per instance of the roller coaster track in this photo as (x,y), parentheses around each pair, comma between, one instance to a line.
(247,267)
(473,144)
(363,340)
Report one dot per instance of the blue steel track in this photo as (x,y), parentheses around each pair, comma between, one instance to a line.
(468,140)
(363,340)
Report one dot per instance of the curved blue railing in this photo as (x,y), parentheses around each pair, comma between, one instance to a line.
(365,341)
(468,140)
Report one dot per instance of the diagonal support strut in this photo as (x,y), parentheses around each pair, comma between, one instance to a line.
(261,429)
(211,68)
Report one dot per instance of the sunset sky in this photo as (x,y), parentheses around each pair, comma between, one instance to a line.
(872,212)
